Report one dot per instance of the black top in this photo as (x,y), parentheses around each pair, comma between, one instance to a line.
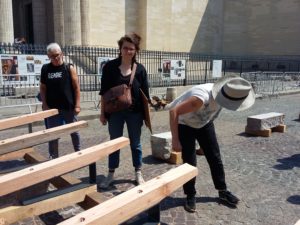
(112,77)
(59,89)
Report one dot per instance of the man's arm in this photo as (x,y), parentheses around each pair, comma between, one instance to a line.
(76,88)
(191,104)
(43,89)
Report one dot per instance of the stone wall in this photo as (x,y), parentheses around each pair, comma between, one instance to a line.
(244,27)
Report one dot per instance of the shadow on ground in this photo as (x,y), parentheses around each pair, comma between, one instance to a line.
(288,163)
(294,199)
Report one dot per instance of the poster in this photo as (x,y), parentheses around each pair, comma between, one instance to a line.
(26,68)
(101,61)
(217,68)
(173,69)
(177,69)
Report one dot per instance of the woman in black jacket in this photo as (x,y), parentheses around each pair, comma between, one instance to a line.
(117,72)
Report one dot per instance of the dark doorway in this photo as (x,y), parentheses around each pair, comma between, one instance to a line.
(29,23)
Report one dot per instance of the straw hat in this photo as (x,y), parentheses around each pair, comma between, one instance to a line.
(233,93)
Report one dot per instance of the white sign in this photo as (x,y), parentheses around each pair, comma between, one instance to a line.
(173,69)
(25,68)
(217,68)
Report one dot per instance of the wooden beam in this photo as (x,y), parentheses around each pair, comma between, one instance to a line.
(13,214)
(91,200)
(29,140)
(35,157)
(56,167)
(16,155)
(138,199)
(25,119)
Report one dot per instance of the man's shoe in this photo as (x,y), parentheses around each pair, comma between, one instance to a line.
(228,197)
(190,204)
(107,181)
(139,178)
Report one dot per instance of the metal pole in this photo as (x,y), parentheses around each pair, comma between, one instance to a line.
(93,173)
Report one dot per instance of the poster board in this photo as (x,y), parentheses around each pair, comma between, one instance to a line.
(146,111)
(217,69)
(173,69)
(21,68)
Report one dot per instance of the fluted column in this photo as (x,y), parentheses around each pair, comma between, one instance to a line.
(6,22)
(58,19)
(85,21)
(72,22)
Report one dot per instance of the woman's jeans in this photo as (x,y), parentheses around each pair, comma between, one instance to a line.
(207,139)
(63,117)
(134,121)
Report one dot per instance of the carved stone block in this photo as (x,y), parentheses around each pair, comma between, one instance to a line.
(265,121)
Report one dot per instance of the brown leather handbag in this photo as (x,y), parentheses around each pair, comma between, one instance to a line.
(119,97)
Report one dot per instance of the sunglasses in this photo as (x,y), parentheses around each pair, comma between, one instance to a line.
(55,57)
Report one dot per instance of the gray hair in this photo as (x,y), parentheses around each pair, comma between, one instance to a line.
(53,46)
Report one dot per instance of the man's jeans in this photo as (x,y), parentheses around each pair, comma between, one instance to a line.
(63,117)
(207,139)
(134,121)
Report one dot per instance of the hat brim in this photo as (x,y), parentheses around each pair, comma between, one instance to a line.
(235,105)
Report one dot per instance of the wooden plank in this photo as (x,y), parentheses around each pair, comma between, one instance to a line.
(58,182)
(91,200)
(34,157)
(175,158)
(280,128)
(16,155)
(13,214)
(263,133)
(56,167)
(55,193)
(25,119)
(29,140)
(136,200)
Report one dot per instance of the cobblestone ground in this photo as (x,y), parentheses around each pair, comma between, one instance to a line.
(263,172)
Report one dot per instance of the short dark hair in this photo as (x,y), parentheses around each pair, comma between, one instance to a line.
(131,38)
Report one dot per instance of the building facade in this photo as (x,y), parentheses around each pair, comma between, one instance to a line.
(219,27)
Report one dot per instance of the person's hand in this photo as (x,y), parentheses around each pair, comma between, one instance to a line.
(176,146)
(103,119)
(77,110)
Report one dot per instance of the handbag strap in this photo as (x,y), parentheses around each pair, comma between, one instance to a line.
(132,74)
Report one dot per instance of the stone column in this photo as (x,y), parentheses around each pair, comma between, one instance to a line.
(6,22)
(85,21)
(58,19)
(72,22)
(39,21)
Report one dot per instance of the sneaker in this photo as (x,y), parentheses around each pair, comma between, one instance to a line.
(190,204)
(107,181)
(139,178)
(228,197)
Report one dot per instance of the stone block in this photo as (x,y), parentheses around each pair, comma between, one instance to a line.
(265,121)
(161,145)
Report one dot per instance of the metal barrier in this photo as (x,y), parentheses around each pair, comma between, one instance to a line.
(273,83)
(22,92)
